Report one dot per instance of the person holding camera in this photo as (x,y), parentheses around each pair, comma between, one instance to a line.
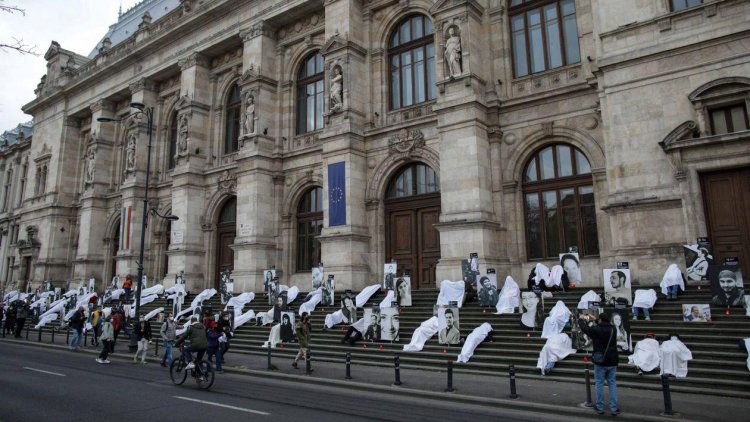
(605,359)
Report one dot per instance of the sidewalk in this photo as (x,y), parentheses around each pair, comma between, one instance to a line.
(546,396)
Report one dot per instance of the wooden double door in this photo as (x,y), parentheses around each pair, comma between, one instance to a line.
(411,238)
(726,197)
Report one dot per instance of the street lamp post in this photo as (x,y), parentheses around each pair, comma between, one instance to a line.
(149,113)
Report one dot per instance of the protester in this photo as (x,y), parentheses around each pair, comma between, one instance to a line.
(643,301)
(167,332)
(142,335)
(354,332)
(605,360)
(214,348)
(127,285)
(557,348)
(672,282)
(10,320)
(107,337)
(117,323)
(22,312)
(645,355)
(674,356)
(555,322)
(95,319)
(536,276)
(198,342)
(303,336)
(225,326)
(76,323)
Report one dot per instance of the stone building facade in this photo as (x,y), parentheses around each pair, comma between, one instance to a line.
(354,132)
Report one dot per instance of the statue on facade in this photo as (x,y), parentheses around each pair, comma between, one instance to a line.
(453,53)
(337,89)
(249,125)
(130,154)
(182,135)
(90,166)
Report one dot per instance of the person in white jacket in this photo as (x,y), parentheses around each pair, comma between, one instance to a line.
(674,357)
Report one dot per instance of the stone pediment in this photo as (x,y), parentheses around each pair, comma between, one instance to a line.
(446,5)
(336,43)
(686,130)
(52,51)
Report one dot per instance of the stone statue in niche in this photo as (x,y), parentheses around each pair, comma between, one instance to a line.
(90,166)
(249,125)
(452,54)
(130,154)
(182,135)
(337,90)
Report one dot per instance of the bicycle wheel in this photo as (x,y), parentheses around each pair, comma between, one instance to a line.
(204,375)
(177,371)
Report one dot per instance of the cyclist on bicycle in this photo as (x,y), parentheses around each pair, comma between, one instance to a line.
(198,342)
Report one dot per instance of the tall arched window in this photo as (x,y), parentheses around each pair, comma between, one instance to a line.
(172,151)
(309,225)
(416,179)
(233,110)
(559,203)
(411,58)
(310,94)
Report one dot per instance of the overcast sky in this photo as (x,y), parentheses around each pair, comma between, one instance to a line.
(76,24)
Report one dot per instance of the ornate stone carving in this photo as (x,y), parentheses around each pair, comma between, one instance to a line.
(142,84)
(547,128)
(452,53)
(249,125)
(195,59)
(183,134)
(130,152)
(101,105)
(228,181)
(260,28)
(90,167)
(337,90)
(300,27)
(406,142)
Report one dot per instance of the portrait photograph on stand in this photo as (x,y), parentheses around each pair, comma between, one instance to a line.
(617,287)
(389,324)
(696,312)
(487,286)
(466,273)
(619,318)
(571,264)
(403,290)
(726,285)
(273,291)
(449,331)
(268,275)
(328,289)
(317,276)
(698,258)
(532,309)
(279,306)
(373,328)
(581,341)
(389,275)
(348,307)
(287,329)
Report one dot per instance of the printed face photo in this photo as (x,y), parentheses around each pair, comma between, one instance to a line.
(580,340)
(726,285)
(617,285)
(389,324)
(287,329)
(621,323)
(329,287)
(487,294)
(747,305)
(372,319)
(389,275)
(469,276)
(570,263)
(448,324)
(696,312)
(317,277)
(698,258)
(403,291)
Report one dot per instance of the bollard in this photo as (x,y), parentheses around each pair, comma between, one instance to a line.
(67,336)
(667,396)
(39,340)
(512,375)
(396,367)
(308,362)
(269,357)
(85,338)
(587,381)
(156,349)
(348,365)
(450,377)
(53,334)
(27,331)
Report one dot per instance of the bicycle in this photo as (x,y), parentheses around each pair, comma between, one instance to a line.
(203,372)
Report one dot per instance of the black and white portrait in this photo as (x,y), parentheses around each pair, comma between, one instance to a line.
(696,312)
(403,291)
(448,326)
(571,265)
(328,288)
(468,275)
(620,321)
(487,289)
(286,331)
(268,275)
(474,262)
(279,306)
(747,305)
(581,341)
(389,324)
(372,319)
(617,286)
(698,257)
(348,308)
(273,291)
(726,285)
(389,276)
(532,311)
(317,276)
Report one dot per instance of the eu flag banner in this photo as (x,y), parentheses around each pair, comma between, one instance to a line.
(337,194)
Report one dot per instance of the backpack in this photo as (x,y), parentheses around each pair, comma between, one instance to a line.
(116,321)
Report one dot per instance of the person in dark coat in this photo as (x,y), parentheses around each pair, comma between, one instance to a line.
(605,345)
(76,323)
(22,313)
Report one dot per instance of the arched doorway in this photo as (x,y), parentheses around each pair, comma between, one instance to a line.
(226,230)
(412,207)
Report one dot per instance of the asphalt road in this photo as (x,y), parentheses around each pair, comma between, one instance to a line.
(41,384)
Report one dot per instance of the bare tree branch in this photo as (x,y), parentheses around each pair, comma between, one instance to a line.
(17,45)
(12,9)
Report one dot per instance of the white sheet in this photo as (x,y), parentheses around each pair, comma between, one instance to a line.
(239,302)
(555,322)
(242,319)
(557,348)
(366,294)
(674,356)
(528,318)
(672,277)
(390,297)
(645,298)
(309,306)
(267,317)
(472,341)
(291,292)
(590,296)
(204,295)
(173,291)
(117,293)
(424,332)
(274,337)
(360,325)
(747,346)
(156,289)
(334,318)
(645,355)
(508,301)
(451,291)
(555,276)
(47,318)
(541,272)
(153,313)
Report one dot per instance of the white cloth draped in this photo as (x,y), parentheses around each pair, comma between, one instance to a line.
(334,318)
(315,299)
(674,356)
(424,332)
(528,318)
(366,294)
(242,319)
(360,325)
(590,296)
(204,295)
(541,272)
(55,307)
(451,291)
(472,341)
(266,317)
(42,299)
(117,293)
(291,292)
(274,337)
(644,298)
(154,313)
(645,355)
(11,296)
(557,348)
(555,322)
(171,292)
(508,301)
(390,297)
(47,318)
(747,346)
(555,276)
(672,277)
(156,289)
(239,302)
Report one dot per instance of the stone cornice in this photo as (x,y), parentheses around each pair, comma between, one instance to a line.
(261,28)
(195,59)
(142,84)
(102,105)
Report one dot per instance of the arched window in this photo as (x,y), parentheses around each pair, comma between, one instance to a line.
(415,179)
(309,225)
(172,151)
(411,58)
(228,212)
(233,110)
(310,94)
(559,203)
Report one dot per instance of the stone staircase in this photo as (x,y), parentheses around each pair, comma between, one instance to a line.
(718,366)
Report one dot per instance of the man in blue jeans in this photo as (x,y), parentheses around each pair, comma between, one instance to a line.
(76,323)
(605,342)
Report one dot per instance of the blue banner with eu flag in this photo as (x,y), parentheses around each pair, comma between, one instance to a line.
(337,194)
